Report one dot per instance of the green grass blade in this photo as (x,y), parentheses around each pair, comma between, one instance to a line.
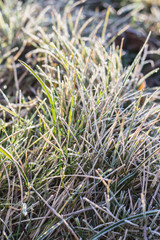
(122,222)
(8,155)
(44,87)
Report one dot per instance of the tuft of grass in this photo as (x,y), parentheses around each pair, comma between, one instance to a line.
(81,159)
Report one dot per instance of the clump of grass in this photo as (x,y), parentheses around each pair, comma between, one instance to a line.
(82,159)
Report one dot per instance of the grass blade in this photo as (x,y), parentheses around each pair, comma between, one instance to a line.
(44,87)
(122,222)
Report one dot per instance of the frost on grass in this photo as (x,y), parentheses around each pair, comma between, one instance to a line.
(81,160)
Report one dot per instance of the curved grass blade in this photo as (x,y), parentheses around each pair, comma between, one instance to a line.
(147,76)
(44,87)
(8,155)
(122,222)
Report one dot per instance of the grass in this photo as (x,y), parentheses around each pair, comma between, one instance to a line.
(80,160)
